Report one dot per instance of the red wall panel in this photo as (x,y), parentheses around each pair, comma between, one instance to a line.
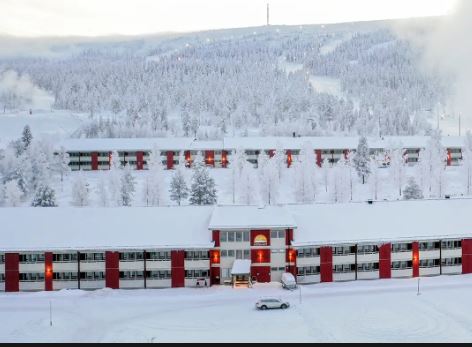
(319,160)
(261,273)
(210,158)
(466,256)
(260,256)
(255,233)
(224,159)
(385,261)
(170,160)
(139,160)
(12,272)
(326,264)
(48,271)
(112,270)
(215,274)
(216,237)
(177,259)
(94,161)
(416,259)
(289,158)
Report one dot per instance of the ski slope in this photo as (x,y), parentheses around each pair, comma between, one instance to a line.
(365,311)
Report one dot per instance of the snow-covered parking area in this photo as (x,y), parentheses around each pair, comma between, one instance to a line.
(370,311)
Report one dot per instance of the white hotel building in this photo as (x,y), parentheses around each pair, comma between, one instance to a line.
(163,247)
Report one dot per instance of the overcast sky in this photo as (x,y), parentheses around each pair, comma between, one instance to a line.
(132,17)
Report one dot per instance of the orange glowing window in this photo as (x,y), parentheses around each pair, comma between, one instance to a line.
(260,240)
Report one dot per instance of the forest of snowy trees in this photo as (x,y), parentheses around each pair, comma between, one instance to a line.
(224,85)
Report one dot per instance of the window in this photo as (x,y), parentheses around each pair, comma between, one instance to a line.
(230,253)
(2,278)
(131,256)
(344,250)
(30,258)
(223,236)
(231,237)
(246,236)
(2,258)
(401,247)
(225,273)
(429,246)
(429,263)
(277,234)
(368,267)
(308,271)
(131,275)
(32,277)
(367,249)
(64,257)
(402,265)
(308,252)
(196,273)
(197,255)
(158,275)
(65,276)
(160,256)
(238,236)
(451,261)
(277,251)
(92,257)
(277,268)
(452,244)
(344,268)
(92,276)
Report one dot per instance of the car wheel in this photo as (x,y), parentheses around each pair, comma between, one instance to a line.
(283,306)
(264,307)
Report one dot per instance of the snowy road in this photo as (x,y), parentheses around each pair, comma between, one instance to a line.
(367,311)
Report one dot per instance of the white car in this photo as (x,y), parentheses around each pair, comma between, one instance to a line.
(265,303)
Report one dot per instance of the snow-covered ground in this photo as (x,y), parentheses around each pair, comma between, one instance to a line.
(387,191)
(364,311)
(44,124)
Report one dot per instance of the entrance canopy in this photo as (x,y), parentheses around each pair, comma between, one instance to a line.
(241,267)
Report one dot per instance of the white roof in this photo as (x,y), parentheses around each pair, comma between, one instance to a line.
(125,144)
(241,267)
(104,228)
(381,222)
(250,217)
(255,143)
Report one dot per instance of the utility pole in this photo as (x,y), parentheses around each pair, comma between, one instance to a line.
(268,15)
(50,313)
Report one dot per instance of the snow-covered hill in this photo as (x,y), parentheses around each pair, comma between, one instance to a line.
(276,80)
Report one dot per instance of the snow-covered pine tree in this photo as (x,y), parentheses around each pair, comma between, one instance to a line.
(466,164)
(203,189)
(361,159)
(269,179)
(26,137)
(154,184)
(114,180)
(374,180)
(178,187)
(44,196)
(128,186)
(340,182)
(247,185)
(12,194)
(304,171)
(432,165)
(412,190)
(397,168)
(101,190)
(61,163)
(80,191)
(280,158)
(325,173)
